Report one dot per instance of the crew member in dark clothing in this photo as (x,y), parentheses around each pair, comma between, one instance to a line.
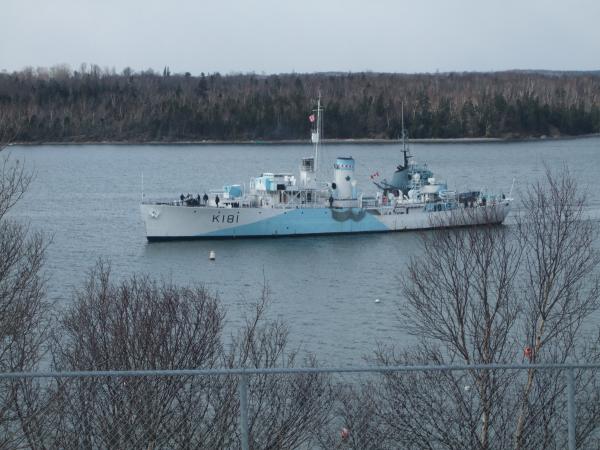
(217,200)
(181,197)
(331,201)
(205,198)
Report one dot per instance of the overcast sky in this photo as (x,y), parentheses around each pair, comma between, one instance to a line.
(274,36)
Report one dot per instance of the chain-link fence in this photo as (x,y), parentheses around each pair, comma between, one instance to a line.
(413,407)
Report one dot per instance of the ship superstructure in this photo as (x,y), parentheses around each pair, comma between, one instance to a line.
(281,204)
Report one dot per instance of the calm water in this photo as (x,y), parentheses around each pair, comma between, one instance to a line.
(88,197)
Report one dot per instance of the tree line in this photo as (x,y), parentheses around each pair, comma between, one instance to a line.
(93,104)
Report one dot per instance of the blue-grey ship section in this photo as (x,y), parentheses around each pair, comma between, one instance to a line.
(281,204)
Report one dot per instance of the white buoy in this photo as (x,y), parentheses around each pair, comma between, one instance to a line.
(212,255)
(377,300)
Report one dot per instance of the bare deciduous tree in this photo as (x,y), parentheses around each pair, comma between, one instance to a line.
(23,310)
(561,288)
(285,410)
(461,303)
(139,324)
(511,294)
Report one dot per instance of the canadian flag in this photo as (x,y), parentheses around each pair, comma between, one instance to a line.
(312,118)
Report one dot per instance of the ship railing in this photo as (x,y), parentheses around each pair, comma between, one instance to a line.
(317,200)
(165,202)
(369,202)
(493,197)
(296,205)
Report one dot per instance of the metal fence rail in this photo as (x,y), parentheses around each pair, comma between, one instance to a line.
(286,407)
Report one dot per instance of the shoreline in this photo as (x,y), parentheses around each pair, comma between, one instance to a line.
(366,141)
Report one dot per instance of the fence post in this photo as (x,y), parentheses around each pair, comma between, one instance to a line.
(571,406)
(243,391)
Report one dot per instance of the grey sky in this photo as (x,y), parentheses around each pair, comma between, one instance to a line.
(304,36)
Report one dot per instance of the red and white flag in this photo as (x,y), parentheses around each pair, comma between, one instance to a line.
(312,118)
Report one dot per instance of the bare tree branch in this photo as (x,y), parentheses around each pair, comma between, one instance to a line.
(495,294)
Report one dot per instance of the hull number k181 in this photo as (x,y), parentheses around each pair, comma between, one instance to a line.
(230,218)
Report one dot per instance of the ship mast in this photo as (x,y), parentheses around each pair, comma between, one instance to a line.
(405,149)
(317,132)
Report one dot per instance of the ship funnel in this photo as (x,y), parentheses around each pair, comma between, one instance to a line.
(344,177)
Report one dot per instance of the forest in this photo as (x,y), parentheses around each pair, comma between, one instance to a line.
(92,104)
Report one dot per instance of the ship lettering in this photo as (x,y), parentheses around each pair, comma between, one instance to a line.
(231,218)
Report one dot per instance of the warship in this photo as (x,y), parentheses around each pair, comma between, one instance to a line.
(283,204)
